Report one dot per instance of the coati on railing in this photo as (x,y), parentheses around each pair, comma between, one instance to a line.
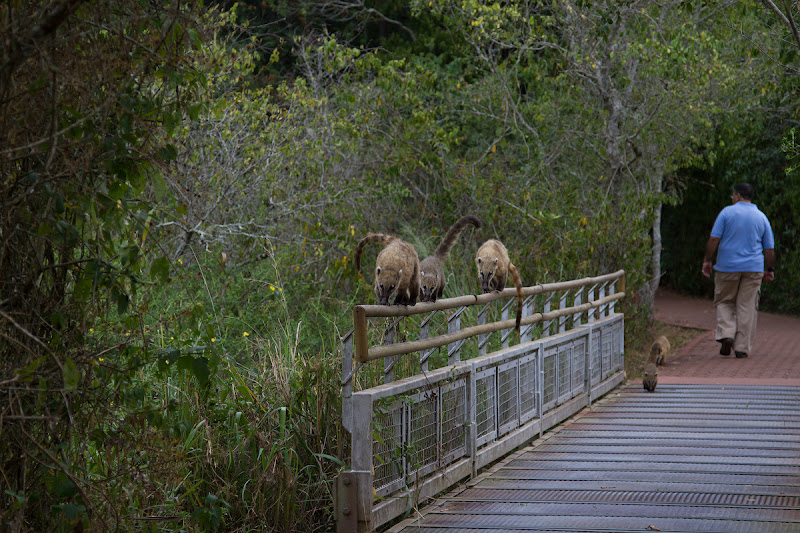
(396,269)
(494,267)
(432,278)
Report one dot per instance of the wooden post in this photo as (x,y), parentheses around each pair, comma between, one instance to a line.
(360,334)
(347,386)
(361,452)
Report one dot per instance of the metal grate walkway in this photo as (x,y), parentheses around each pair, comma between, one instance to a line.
(687,458)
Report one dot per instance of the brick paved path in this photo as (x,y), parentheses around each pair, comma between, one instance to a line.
(775,359)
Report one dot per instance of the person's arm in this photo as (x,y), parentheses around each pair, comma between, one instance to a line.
(711,247)
(769,264)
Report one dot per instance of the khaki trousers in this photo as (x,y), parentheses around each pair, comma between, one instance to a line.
(736,297)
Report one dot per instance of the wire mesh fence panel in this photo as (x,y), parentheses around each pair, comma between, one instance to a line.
(527,387)
(423,433)
(550,368)
(507,397)
(454,420)
(486,406)
(595,356)
(564,360)
(619,345)
(579,354)
(607,343)
(387,448)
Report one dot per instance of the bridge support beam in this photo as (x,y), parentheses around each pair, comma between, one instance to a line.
(354,502)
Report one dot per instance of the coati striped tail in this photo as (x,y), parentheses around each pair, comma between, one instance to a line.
(379,238)
(452,234)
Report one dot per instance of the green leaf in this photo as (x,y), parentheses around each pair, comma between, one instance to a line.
(195,110)
(72,376)
(168,152)
(201,370)
(185,363)
(159,270)
(121,299)
(83,289)
(331,458)
(57,320)
(71,511)
(59,203)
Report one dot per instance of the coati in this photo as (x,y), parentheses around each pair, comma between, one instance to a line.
(658,351)
(650,377)
(494,267)
(396,269)
(431,269)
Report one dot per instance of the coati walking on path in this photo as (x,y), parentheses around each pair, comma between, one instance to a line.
(431,269)
(650,377)
(658,351)
(658,355)
(494,266)
(396,269)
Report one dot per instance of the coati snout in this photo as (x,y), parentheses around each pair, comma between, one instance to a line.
(486,274)
(385,284)
(650,377)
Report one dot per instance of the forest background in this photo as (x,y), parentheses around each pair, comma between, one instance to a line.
(183,184)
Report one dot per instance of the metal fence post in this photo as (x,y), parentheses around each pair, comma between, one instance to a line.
(546,323)
(424,328)
(612,290)
(472,410)
(540,387)
(388,362)
(576,318)
(483,338)
(587,367)
(505,334)
(527,310)
(453,325)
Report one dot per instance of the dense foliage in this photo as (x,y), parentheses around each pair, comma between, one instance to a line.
(182,187)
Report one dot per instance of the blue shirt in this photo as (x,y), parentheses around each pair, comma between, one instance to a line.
(744,234)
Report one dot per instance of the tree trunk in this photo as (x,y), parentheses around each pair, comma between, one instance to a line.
(648,290)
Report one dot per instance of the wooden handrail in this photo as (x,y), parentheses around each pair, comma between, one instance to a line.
(376,311)
(363,353)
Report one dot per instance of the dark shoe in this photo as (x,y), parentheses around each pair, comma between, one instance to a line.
(741,355)
(727,344)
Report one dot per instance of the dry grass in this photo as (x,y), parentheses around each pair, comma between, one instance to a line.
(637,344)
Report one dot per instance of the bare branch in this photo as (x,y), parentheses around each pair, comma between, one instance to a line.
(342,11)
(786,18)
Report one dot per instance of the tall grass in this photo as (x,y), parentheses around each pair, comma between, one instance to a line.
(235,423)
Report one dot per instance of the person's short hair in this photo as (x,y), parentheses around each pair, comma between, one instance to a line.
(745,190)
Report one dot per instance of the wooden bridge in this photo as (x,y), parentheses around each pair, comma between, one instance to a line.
(686,458)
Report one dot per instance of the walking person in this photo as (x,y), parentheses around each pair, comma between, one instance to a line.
(745,245)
